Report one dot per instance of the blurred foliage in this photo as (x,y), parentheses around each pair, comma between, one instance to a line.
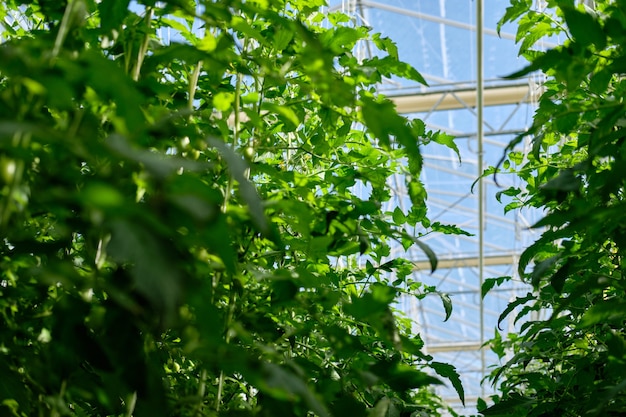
(570,357)
(181,232)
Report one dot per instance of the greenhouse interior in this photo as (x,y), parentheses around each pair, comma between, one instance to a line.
(313,208)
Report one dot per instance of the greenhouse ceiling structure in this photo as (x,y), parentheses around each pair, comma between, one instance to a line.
(467,97)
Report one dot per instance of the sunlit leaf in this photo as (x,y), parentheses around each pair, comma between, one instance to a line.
(584,27)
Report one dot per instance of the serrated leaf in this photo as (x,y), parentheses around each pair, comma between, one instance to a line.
(155,274)
(385,44)
(342,38)
(417,192)
(390,66)
(536,32)
(545,61)
(544,243)
(517,302)
(517,8)
(449,229)
(489,283)
(565,181)
(448,371)
(541,268)
(447,140)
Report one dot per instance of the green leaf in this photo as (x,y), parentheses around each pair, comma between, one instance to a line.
(342,38)
(584,28)
(609,311)
(535,32)
(282,38)
(385,123)
(385,44)
(417,192)
(545,61)
(402,377)
(241,25)
(446,140)
(561,275)
(517,9)
(448,229)
(373,303)
(208,43)
(285,113)
(112,13)
(223,101)
(376,116)
(398,216)
(600,81)
(565,181)
(511,306)
(381,409)
(282,384)
(489,283)
(153,269)
(447,304)
(432,258)
(509,406)
(101,195)
(448,371)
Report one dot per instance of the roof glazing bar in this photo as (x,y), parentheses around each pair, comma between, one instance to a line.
(431,18)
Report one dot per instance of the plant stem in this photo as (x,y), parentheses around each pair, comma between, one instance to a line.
(193,84)
(229,318)
(20,139)
(229,187)
(143,49)
(64,27)
(201,392)
(131,402)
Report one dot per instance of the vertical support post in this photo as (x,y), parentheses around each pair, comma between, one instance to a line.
(481,185)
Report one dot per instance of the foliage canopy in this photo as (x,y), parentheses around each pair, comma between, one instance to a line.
(573,362)
(178,217)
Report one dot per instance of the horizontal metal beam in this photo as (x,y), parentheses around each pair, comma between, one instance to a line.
(494,260)
(462,99)
(449,100)
(453,347)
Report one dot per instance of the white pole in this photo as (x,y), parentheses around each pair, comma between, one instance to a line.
(481,185)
